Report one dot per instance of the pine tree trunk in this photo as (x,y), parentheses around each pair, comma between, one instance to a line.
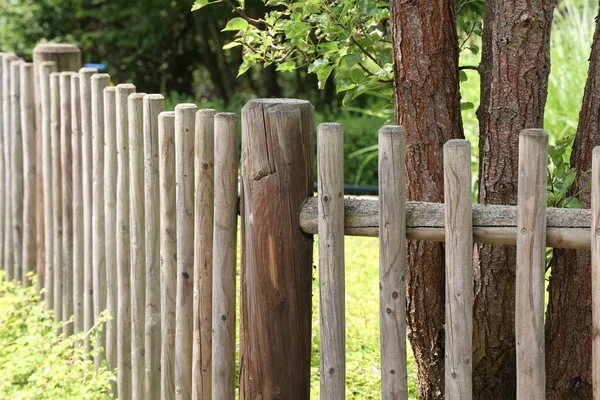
(568,362)
(428,106)
(514,84)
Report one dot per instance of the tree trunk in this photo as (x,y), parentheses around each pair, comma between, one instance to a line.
(428,106)
(568,357)
(514,82)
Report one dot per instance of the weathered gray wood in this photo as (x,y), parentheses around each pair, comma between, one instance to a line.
(330,164)
(154,104)
(123,245)
(56,193)
(46,68)
(567,228)
(224,255)
(531,265)
(29,167)
(392,262)
(459,270)
(78,274)
(204,167)
(3,188)
(168,251)
(595,244)
(99,82)
(85,101)
(138,242)
(277,156)
(8,256)
(67,57)
(66,161)
(110,227)
(184,169)
(16,147)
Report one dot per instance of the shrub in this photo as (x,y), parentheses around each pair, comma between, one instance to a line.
(35,363)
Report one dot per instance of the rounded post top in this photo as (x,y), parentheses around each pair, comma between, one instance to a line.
(125,87)
(534,133)
(596,151)
(136,96)
(206,112)
(88,71)
(167,114)
(330,128)
(47,64)
(277,102)
(392,130)
(185,106)
(226,115)
(56,48)
(97,77)
(154,96)
(457,143)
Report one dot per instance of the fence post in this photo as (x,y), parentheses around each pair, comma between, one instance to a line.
(595,258)
(138,242)
(99,82)
(154,104)
(67,58)
(185,115)
(77,200)
(16,167)
(204,167)
(8,256)
(123,244)
(168,251)
(29,181)
(275,335)
(46,68)
(531,265)
(57,232)
(66,160)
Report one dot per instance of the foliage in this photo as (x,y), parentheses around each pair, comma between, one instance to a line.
(34,362)
(562,178)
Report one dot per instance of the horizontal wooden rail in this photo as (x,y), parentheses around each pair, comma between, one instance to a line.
(495,224)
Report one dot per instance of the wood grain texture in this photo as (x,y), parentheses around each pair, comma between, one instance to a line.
(29,171)
(277,159)
(531,265)
(567,228)
(168,251)
(56,193)
(3,187)
(392,262)
(459,270)
(138,242)
(99,82)
(66,57)
(16,149)
(204,167)
(8,251)
(123,244)
(77,200)
(66,161)
(224,255)
(85,87)
(595,240)
(332,315)
(110,227)
(154,104)
(46,68)
(184,325)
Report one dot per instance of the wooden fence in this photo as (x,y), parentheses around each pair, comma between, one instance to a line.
(138,216)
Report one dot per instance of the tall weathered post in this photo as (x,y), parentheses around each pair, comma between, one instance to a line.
(277,178)
(67,58)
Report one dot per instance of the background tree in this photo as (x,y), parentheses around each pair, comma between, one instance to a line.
(514,85)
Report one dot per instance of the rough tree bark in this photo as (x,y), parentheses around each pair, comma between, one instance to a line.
(514,81)
(428,106)
(568,355)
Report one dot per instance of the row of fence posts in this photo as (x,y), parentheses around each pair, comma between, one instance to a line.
(140,218)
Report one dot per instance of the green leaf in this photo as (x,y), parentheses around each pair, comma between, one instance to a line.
(231,45)
(198,4)
(466,105)
(236,24)
(296,29)
(462,76)
(323,75)
(287,66)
